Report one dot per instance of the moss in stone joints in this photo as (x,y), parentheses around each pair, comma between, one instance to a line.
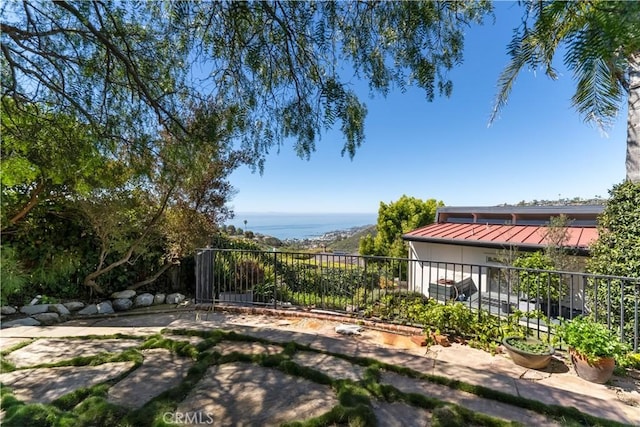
(354,405)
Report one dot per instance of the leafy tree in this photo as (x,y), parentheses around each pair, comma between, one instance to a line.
(395,219)
(167,98)
(46,155)
(13,275)
(129,69)
(617,250)
(602,40)
(557,236)
(536,282)
(617,253)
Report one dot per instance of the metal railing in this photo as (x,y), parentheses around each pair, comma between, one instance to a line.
(375,287)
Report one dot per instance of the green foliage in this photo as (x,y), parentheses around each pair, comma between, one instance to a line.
(129,138)
(273,64)
(534,347)
(45,155)
(599,41)
(617,250)
(557,242)
(481,328)
(395,219)
(447,416)
(617,253)
(89,406)
(12,274)
(590,31)
(536,283)
(590,338)
(53,266)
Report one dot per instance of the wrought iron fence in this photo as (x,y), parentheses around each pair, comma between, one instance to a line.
(388,288)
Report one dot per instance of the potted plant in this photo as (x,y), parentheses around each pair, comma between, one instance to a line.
(528,352)
(593,348)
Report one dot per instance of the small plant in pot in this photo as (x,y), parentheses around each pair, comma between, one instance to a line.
(593,348)
(528,352)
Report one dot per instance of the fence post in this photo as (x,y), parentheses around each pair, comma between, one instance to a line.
(198,259)
(275,279)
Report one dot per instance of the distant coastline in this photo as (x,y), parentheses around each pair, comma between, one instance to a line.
(287,226)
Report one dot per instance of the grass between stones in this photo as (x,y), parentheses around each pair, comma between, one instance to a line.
(90,407)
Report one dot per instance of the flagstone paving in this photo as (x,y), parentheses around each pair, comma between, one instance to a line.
(227,347)
(160,370)
(239,393)
(44,385)
(467,400)
(246,394)
(56,350)
(330,365)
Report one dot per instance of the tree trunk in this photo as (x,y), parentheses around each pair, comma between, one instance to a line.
(90,279)
(633,120)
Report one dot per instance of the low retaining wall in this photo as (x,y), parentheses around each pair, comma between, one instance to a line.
(315,314)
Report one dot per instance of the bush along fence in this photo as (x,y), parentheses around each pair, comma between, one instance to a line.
(481,302)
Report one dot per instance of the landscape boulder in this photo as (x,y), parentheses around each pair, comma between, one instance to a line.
(74,305)
(60,309)
(7,309)
(124,294)
(47,318)
(105,307)
(175,298)
(121,304)
(144,300)
(30,310)
(27,321)
(159,299)
(89,310)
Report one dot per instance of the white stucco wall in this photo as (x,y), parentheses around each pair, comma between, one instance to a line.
(456,263)
(447,262)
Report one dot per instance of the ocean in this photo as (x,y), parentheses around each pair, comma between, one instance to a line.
(299,225)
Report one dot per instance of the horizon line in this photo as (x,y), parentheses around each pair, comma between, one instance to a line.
(303,213)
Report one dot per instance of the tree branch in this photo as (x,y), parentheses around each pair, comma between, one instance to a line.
(152,278)
(127,62)
(33,200)
(90,279)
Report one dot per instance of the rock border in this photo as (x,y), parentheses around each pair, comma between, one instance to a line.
(36,314)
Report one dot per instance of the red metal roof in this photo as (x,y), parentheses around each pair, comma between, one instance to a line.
(493,235)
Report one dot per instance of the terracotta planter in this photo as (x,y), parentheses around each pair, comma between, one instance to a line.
(598,372)
(525,358)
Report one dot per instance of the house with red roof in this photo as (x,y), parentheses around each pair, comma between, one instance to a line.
(467,245)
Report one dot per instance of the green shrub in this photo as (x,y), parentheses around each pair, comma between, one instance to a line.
(590,338)
(616,252)
(538,284)
(12,274)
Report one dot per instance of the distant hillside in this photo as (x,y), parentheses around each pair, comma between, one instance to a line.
(351,244)
(560,202)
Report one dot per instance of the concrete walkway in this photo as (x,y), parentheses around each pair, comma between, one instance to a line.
(558,385)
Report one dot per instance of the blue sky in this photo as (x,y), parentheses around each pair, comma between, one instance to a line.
(539,147)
